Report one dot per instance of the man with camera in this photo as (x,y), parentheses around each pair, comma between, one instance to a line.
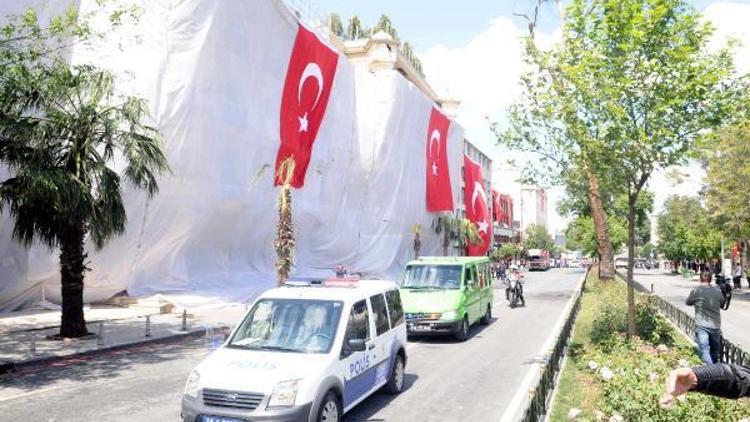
(708,301)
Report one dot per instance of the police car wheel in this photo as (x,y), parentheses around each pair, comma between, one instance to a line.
(330,409)
(396,382)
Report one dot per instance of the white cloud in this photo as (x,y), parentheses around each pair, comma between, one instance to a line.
(730,20)
(484,75)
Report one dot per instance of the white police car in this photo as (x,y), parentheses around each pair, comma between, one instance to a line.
(309,351)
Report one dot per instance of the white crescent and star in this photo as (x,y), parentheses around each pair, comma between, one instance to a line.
(435,136)
(312,70)
(479,191)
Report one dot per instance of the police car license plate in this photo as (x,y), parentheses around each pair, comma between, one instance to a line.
(205,418)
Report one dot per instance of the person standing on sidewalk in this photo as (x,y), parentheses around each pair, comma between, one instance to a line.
(708,301)
(737,275)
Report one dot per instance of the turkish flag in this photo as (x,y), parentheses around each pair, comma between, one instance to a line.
(477,207)
(309,78)
(439,194)
(496,210)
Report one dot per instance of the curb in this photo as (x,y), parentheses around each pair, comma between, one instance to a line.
(8,367)
(56,325)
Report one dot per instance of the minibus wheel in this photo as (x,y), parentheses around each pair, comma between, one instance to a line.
(487,315)
(463,332)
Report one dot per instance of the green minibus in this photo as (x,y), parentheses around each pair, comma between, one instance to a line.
(446,295)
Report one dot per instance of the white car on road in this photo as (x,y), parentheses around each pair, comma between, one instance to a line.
(309,351)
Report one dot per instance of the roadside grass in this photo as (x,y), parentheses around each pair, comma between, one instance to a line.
(607,377)
(576,388)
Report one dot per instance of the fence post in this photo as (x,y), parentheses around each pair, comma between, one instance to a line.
(32,346)
(184,320)
(100,334)
(148,325)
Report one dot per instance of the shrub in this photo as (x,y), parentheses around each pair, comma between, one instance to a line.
(651,326)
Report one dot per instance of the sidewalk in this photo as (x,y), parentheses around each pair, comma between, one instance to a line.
(121,327)
(735,322)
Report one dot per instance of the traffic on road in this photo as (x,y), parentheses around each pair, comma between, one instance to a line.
(337,350)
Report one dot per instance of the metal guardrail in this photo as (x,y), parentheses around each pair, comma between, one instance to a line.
(730,352)
(540,395)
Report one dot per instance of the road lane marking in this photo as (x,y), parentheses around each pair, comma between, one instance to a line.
(522,394)
(30,393)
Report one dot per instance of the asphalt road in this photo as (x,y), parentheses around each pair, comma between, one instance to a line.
(735,322)
(445,381)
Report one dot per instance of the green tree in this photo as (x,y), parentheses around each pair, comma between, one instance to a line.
(61,128)
(60,135)
(384,24)
(507,251)
(354,29)
(576,204)
(537,237)
(728,197)
(638,77)
(581,234)
(686,231)
(334,23)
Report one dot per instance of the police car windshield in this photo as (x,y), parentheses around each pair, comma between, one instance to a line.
(289,325)
(432,277)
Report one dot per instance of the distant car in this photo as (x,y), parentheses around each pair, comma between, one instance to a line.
(621,263)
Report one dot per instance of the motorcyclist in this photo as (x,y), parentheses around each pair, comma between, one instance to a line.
(517,276)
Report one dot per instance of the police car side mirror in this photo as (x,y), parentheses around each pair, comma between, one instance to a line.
(356,345)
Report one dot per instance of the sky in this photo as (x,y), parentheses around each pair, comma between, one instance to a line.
(471,50)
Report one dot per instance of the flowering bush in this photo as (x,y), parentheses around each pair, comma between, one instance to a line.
(629,374)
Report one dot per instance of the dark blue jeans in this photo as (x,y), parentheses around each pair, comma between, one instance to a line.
(709,344)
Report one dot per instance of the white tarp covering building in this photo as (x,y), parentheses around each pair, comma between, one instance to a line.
(213,73)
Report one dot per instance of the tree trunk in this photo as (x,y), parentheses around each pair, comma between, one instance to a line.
(606,258)
(72,267)
(631,261)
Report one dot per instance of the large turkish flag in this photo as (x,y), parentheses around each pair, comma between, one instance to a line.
(439,194)
(309,78)
(477,206)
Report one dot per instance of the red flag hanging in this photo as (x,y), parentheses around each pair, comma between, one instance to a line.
(439,194)
(309,78)
(477,209)
(496,210)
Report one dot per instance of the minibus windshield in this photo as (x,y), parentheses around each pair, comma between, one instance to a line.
(432,277)
(289,325)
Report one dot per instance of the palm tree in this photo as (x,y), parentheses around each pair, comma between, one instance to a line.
(417,241)
(444,225)
(285,242)
(334,23)
(453,229)
(468,234)
(61,129)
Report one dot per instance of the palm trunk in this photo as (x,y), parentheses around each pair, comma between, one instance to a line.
(72,267)
(446,243)
(284,237)
(631,261)
(604,246)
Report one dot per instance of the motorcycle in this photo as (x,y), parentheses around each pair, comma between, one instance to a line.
(726,290)
(514,292)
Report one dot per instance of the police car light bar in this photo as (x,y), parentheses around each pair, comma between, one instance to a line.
(349,281)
